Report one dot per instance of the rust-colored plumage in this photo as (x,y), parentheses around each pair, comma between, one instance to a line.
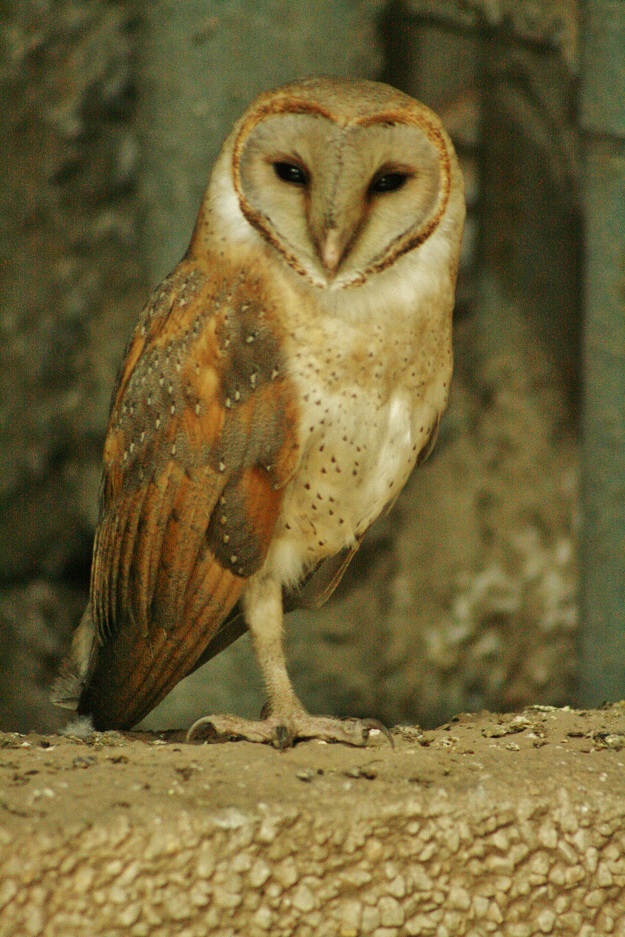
(202,439)
(279,388)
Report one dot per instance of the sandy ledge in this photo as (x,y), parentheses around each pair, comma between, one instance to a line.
(493,824)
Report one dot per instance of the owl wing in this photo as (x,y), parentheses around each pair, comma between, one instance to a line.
(201,440)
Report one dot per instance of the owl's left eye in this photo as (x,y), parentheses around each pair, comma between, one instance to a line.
(388,182)
(289,172)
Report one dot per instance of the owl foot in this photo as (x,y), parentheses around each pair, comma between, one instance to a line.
(283,731)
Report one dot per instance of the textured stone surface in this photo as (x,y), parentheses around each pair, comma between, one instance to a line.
(552,23)
(68,277)
(503,825)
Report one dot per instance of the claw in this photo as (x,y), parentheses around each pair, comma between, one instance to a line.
(210,732)
(283,731)
(282,738)
(370,724)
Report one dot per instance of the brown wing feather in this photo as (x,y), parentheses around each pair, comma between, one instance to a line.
(201,441)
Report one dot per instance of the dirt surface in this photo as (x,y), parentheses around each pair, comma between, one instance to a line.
(67,780)
(511,825)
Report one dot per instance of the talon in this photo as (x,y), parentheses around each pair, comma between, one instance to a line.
(281,738)
(210,732)
(370,724)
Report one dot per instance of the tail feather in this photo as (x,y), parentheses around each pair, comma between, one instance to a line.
(77,667)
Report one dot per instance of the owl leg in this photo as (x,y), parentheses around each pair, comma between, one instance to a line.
(286,719)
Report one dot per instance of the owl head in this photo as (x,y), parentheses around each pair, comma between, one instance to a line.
(339,179)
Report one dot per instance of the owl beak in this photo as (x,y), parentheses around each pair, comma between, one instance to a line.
(331,251)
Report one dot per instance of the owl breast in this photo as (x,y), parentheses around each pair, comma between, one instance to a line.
(370,395)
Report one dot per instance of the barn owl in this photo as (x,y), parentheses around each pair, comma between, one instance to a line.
(278,390)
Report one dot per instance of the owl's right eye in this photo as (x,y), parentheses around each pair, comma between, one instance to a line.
(289,172)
